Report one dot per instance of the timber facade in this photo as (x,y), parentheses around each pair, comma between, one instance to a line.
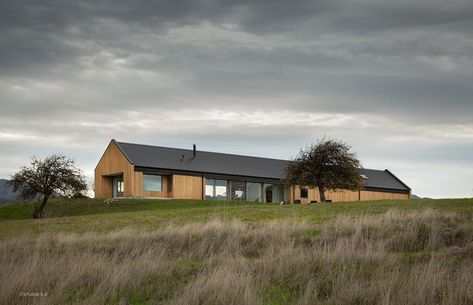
(144,171)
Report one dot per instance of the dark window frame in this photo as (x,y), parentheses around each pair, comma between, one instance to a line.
(304,193)
(153,175)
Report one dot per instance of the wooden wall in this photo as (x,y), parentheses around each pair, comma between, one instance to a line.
(343,195)
(140,192)
(371,195)
(187,187)
(295,191)
(113,162)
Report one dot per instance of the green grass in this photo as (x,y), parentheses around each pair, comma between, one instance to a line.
(94,214)
(206,252)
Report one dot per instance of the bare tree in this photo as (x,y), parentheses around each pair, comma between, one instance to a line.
(56,174)
(327,165)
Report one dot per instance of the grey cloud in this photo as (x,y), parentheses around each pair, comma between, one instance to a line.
(85,71)
(252,16)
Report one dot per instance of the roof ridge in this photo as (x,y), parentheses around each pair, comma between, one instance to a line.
(220,153)
(163,157)
(205,151)
(395,177)
(123,151)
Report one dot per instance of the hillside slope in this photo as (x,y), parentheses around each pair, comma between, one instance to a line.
(204,252)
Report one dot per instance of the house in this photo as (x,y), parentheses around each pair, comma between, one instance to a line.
(135,170)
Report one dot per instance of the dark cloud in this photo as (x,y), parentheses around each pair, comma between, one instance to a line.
(241,76)
(269,15)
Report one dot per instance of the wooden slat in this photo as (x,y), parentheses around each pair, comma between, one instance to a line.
(370,195)
(343,195)
(187,187)
(113,162)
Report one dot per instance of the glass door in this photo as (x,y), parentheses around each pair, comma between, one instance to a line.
(117,186)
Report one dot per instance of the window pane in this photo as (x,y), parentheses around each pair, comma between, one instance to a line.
(221,189)
(209,191)
(215,189)
(273,193)
(304,192)
(152,183)
(268,192)
(209,188)
(117,186)
(253,191)
(278,193)
(238,190)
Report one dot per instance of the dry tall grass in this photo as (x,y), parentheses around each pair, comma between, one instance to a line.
(393,258)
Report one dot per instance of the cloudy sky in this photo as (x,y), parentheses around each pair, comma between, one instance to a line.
(392,78)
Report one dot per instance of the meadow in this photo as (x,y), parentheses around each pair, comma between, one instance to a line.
(204,252)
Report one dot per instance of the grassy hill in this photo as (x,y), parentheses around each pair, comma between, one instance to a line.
(205,252)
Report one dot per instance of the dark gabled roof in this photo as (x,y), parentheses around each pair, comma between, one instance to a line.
(206,162)
(158,157)
(382,179)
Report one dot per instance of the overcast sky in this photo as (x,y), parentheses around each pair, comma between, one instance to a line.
(392,78)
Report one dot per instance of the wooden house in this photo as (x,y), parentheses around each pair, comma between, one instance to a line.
(142,171)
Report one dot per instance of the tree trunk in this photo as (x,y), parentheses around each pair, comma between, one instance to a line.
(293,194)
(322,194)
(38,213)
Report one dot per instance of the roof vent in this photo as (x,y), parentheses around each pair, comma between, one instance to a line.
(182,158)
(193,150)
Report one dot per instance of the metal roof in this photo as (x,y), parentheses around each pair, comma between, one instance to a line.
(383,179)
(158,157)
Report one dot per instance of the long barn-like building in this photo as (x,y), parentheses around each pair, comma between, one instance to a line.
(140,171)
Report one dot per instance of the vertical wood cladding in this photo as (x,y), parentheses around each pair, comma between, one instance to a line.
(113,162)
(342,195)
(371,195)
(140,192)
(187,187)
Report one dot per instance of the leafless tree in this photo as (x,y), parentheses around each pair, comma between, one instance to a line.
(56,174)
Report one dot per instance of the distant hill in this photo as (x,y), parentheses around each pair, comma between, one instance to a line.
(6,192)
(7,195)
(413,196)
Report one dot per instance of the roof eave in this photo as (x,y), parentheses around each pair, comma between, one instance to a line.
(123,151)
(389,172)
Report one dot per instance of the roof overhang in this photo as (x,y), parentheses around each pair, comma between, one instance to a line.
(164,171)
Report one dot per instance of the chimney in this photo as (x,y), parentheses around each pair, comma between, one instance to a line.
(193,150)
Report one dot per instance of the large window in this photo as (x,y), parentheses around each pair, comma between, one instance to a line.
(238,190)
(209,188)
(253,191)
(221,189)
(242,191)
(152,183)
(273,193)
(215,189)
(278,193)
